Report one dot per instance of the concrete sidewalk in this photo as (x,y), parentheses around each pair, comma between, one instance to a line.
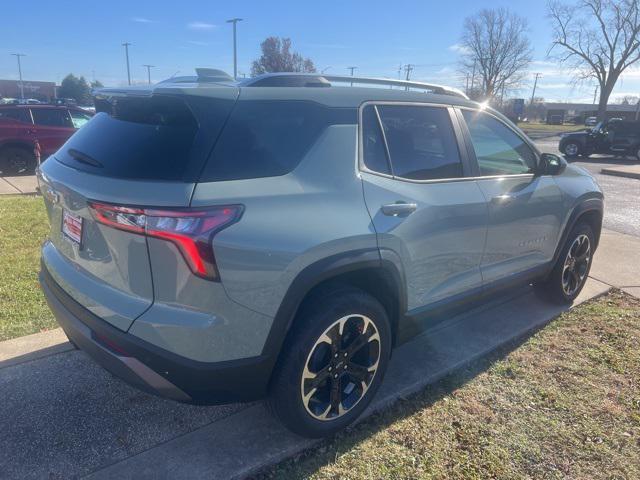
(63,416)
(628,171)
(25,184)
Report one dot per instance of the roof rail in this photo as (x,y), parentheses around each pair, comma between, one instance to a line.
(289,79)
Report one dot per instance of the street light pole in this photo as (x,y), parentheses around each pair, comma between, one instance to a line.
(18,55)
(126,52)
(235,21)
(149,67)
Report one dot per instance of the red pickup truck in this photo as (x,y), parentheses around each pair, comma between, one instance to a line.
(27,131)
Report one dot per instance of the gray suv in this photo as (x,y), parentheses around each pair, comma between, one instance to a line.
(216,241)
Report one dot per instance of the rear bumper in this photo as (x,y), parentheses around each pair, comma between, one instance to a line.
(151,368)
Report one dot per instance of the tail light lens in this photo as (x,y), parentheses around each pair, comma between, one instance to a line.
(192,231)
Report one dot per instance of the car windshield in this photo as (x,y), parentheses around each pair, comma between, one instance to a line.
(598,127)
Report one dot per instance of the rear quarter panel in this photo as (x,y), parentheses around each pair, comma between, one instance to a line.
(290,221)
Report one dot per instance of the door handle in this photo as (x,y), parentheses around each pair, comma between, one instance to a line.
(503,199)
(399,209)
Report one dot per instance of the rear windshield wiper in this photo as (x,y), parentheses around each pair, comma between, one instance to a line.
(84,158)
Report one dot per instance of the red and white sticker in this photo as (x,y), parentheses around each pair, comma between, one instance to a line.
(72,227)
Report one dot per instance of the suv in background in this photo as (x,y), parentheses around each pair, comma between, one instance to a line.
(613,137)
(22,127)
(215,241)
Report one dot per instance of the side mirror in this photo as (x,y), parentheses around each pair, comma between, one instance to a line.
(551,164)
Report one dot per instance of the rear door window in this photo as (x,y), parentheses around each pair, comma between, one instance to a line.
(51,117)
(374,150)
(19,114)
(421,141)
(265,138)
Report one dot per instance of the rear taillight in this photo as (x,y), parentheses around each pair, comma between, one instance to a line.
(192,231)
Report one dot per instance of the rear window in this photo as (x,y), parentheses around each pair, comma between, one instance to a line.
(153,138)
(269,138)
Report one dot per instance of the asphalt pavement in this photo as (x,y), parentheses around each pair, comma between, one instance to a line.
(622,195)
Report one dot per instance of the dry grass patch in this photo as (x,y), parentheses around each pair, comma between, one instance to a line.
(564,404)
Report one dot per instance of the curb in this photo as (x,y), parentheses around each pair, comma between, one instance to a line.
(32,347)
(621,173)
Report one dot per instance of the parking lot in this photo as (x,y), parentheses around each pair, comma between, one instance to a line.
(63,416)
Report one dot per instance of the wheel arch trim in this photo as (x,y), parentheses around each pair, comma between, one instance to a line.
(321,271)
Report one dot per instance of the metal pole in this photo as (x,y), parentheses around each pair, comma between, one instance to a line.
(535,84)
(408,68)
(149,67)
(352,69)
(18,55)
(126,52)
(473,76)
(234,21)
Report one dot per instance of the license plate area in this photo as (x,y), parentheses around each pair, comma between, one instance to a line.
(72,227)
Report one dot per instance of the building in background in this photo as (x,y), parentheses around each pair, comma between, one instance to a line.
(43,91)
(559,113)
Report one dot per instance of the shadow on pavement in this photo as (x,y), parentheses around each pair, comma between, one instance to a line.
(63,416)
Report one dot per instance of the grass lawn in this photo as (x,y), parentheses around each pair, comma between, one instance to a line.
(23,227)
(564,404)
(543,127)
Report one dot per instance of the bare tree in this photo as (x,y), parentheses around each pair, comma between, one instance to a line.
(496,50)
(599,39)
(278,57)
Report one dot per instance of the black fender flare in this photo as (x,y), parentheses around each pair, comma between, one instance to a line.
(318,272)
(594,204)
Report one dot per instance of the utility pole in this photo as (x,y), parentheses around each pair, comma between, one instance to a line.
(473,75)
(235,46)
(535,84)
(595,94)
(149,67)
(18,55)
(408,68)
(126,52)
(352,69)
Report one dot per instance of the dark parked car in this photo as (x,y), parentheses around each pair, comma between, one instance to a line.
(24,126)
(614,137)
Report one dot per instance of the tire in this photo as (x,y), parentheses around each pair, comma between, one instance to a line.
(304,382)
(571,149)
(568,276)
(17,161)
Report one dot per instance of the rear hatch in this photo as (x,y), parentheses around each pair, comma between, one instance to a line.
(138,151)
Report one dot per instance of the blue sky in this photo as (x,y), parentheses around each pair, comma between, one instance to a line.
(377,36)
